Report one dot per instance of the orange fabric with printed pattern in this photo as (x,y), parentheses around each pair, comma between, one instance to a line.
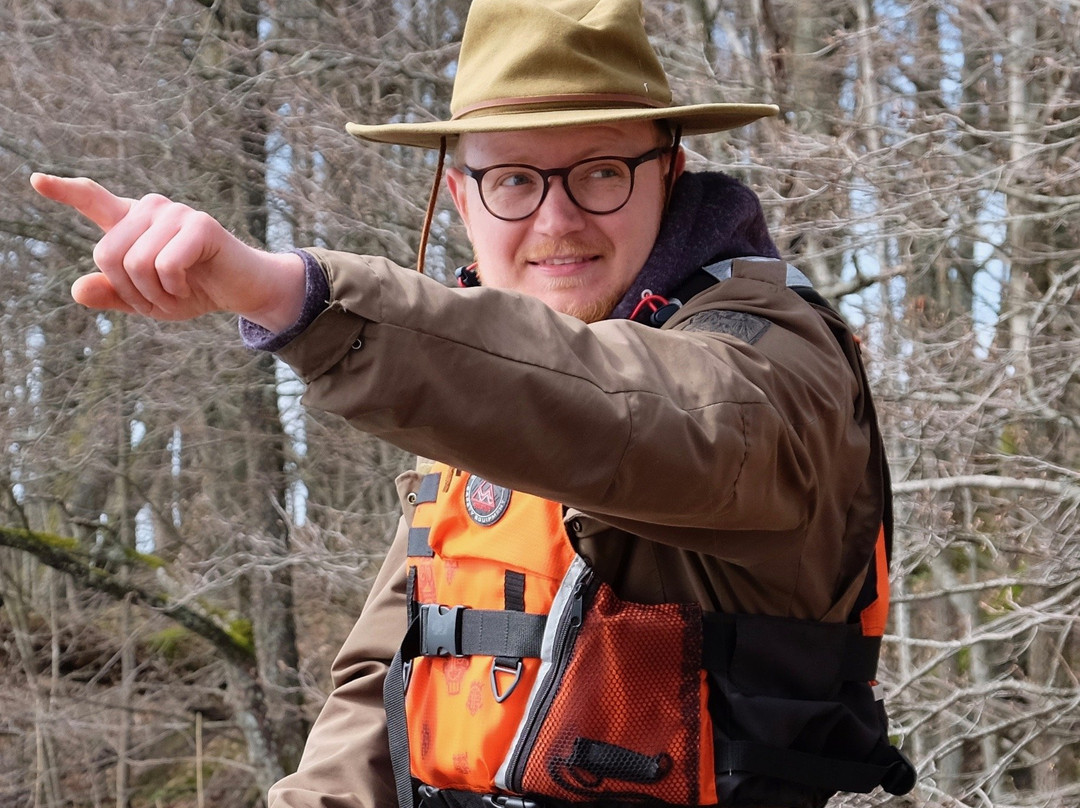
(459,734)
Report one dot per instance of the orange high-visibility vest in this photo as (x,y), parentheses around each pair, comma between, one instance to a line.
(524,675)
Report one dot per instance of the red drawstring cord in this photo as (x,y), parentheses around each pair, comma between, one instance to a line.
(654,302)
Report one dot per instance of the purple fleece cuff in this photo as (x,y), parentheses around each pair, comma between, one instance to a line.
(316,299)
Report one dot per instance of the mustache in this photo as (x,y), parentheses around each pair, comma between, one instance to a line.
(562,248)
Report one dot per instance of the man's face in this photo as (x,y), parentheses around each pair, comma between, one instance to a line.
(578,263)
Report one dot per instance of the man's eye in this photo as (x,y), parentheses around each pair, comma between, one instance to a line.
(606,171)
(515,179)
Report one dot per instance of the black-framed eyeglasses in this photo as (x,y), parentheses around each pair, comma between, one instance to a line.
(598,185)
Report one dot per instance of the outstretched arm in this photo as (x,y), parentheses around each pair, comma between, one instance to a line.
(166,260)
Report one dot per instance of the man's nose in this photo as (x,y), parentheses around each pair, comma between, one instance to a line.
(558,214)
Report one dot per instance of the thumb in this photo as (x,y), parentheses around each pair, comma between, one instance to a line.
(96,292)
(93,201)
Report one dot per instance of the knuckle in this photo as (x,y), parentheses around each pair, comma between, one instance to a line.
(200,221)
(153,207)
(104,257)
(153,200)
(134,264)
(138,262)
(168,269)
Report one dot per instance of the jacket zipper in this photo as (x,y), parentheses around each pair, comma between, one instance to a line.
(565,637)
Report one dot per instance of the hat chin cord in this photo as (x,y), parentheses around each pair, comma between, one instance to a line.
(669,183)
(429,216)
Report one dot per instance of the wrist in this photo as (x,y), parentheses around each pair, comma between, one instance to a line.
(282,292)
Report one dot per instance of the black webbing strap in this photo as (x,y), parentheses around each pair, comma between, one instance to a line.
(419,546)
(459,631)
(412,578)
(396,730)
(428,490)
(502,633)
(896,776)
(514,590)
(513,601)
(418,536)
(858,654)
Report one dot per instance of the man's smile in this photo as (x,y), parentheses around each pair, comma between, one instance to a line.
(564,264)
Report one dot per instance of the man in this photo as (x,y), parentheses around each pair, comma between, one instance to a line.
(647,563)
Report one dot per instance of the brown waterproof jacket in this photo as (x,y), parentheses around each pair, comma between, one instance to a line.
(724,459)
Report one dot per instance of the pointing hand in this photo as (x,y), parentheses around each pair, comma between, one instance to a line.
(166,260)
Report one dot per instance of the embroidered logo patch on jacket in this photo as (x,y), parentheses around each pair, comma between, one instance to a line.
(747,327)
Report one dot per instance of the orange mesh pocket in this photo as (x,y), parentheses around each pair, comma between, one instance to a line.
(628,719)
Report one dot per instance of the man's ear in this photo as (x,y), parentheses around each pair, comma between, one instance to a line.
(672,172)
(457,185)
(680,162)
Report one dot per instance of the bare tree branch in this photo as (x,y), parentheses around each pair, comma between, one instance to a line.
(68,556)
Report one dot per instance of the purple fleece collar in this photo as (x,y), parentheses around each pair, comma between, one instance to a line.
(711,217)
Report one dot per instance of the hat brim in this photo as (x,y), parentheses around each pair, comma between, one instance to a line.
(697,119)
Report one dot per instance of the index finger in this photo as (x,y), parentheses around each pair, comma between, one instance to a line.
(95,202)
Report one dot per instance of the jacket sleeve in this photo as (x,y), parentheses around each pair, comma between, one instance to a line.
(346,760)
(673,434)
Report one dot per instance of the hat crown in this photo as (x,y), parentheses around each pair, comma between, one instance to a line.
(556,54)
(539,64)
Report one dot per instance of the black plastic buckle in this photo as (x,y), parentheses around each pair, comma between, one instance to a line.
(507,801)
(440,630)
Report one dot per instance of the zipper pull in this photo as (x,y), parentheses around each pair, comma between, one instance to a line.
(577,606)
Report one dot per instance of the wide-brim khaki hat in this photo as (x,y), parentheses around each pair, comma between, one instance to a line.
(540,64)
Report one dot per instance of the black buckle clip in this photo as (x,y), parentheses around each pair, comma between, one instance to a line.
(440,630)
(507,801)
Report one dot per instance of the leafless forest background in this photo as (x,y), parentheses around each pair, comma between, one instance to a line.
(182,549)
